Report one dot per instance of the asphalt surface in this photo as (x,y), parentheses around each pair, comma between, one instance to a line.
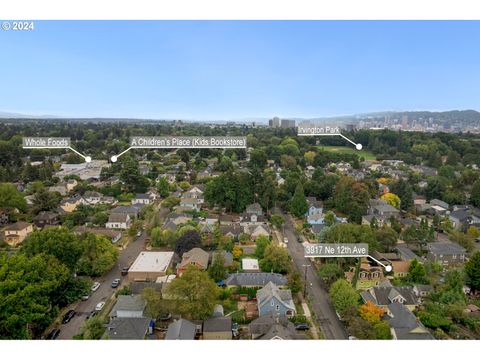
(104,292)
(323,310)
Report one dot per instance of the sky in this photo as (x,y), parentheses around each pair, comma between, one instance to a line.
(227,70)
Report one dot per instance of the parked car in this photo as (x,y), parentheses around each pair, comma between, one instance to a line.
(125,271)
(139,233)
(95,286)
(115,283)
(100,306)
(68,316)
(165,317)
(53,334)
(91,314)
(302,327)
(299,239)
(85,297)
(285,240)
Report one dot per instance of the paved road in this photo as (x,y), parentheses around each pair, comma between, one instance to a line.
(332,328)
(105,291)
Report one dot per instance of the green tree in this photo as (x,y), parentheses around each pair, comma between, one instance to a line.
(330,272)
(343,296)
(386,238)
(351,198)
(295,282)
(475,194)
(163,187)
(472,271)
(298,204)
(94,329)
(261,244)
(277,221)
(275,259)
(59,242)
(155,307)
(99,255)
(217,269)
(417,273)
(10,197)
(194,294)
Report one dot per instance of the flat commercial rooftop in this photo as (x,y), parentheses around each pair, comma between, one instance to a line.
(152,261)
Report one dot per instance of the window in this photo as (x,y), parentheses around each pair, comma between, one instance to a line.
(277,307)
(272,303)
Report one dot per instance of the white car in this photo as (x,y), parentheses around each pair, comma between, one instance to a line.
(95,286)
(100,306)
(285,240)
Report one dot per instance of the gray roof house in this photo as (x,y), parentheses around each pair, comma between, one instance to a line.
(181,330)
(127,328)
(272,327)
(128,306)
(217,328)
(254,209)
(404,325)
(382,296)
(270,299)
(227,257)
(255,279)
(446,253)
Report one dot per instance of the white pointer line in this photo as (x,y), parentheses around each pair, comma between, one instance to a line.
(77,152)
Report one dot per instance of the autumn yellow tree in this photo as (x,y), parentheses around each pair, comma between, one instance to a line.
(309,156)
(370,312)
(237,252)
(392,199)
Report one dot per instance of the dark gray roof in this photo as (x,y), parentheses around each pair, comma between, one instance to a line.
(405,324)
(445,248)
(118,218)
(138,286)
(255,279)
(317,228)
(405,253)
(127,328)
(128,303)
(125,210)
(181,330)
(384,295)
(217,324)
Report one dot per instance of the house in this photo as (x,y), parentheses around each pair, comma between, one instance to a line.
(233,231)
(387,294)
(446,253)
(190,204)
(271,299)
(250,265)
(142,199)
(383,209)
(254,209)
(120,328)
(129,306)
(255,279)
(256,231)
(315,219)
(118,221)
(16,233)
(463,218)
(400,268)
(149,265)
(422,291)
(69,205)
(251,219)
(317,228)
(196,257)
(60,188)
(273,327)
(314,206)
(419,200)
(404,324)
(405,253)
(45,218)
(367,277)
(181,330)
(131,211)
(217,328)
(93,197)
(112,235)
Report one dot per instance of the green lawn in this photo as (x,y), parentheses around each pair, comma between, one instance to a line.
(348,150)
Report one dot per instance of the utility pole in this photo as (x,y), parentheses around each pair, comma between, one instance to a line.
(306,266)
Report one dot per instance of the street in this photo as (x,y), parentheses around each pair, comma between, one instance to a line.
(331,326)
(104,292)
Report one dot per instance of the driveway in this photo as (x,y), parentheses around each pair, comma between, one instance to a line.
(324,312)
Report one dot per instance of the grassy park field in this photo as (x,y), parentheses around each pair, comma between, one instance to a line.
(349,150)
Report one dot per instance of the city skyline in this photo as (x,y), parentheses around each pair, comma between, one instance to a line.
(227,70)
